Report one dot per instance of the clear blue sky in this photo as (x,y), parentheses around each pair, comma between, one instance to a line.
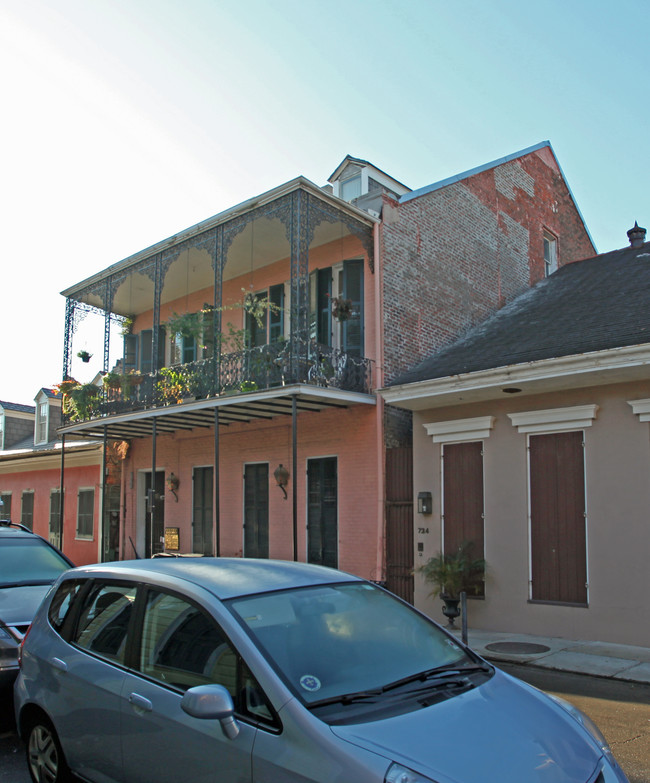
(125,121)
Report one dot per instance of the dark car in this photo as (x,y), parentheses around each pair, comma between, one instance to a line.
(28,566)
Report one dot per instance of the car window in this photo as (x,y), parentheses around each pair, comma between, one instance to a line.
(62,602)
(340,639)
(104,619)
(182,646)
(29,561)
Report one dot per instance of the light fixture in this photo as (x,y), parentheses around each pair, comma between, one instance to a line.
(173,483)
(425,503)
(281,475)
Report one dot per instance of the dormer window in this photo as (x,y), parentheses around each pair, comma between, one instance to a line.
(2,430)
(351,187)
(42,422)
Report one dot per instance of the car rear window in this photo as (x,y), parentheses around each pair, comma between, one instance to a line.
(26,561)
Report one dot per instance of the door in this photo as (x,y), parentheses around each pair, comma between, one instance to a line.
(558,518)
(399,522)
(256,510)
(155,514)
(181,646)
(55,517)
(463,501)
(322,512)
(202,511)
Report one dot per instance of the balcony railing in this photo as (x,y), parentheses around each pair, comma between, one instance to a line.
(253,369)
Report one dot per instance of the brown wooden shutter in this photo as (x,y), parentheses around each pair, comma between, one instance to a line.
(557,514)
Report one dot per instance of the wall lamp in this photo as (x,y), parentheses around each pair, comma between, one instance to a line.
(425,503)
(281,475)
(173,484)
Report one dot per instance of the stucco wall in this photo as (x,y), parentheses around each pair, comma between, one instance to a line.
(617,467)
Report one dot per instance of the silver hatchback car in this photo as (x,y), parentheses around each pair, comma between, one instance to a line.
(223,670)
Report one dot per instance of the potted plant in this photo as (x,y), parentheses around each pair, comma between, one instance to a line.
(452,573)
(84,356)
(341,308)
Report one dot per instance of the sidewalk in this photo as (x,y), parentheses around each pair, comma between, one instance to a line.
(600,659)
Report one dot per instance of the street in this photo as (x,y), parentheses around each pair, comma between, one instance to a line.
(621,710)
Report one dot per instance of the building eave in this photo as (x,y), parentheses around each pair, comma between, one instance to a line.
(598,368)
(299,183)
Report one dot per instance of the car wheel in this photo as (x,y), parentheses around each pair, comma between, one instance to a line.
(45,758)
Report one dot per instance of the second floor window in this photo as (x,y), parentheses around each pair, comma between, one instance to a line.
(550,253)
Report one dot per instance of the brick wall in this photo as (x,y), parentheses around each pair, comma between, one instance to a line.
(453,256)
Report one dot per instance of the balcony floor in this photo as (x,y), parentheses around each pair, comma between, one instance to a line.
(245,407)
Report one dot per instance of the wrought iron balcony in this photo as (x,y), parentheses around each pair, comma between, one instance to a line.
(253,369)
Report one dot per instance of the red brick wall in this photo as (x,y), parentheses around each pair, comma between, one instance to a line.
(453,256)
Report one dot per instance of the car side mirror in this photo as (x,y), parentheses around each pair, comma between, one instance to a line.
(212,702)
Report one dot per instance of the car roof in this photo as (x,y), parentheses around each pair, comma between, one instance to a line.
(225,577)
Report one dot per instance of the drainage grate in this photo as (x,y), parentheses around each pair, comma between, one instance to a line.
(517,648)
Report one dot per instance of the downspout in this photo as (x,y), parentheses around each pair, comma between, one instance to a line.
(294,450)
(379,408)
(215,487)
(61,495)
(102,501)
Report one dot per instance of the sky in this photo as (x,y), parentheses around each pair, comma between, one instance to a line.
(125,121)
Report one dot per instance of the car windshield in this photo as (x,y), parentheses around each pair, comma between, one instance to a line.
(344,639)
(25,561)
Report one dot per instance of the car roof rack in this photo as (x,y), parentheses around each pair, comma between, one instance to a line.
(9,523)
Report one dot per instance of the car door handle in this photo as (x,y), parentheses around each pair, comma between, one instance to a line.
(140,702)
(62,666)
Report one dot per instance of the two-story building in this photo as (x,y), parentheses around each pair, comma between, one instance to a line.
(240,357)
(34,467)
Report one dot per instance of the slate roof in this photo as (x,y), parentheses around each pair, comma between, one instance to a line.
(597,304)
(17,406)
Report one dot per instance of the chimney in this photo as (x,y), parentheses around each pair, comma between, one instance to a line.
(636,235)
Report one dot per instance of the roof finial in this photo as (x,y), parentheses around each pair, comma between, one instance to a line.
(636,235)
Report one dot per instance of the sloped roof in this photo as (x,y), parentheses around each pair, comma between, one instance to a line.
(17,407)
(598,304)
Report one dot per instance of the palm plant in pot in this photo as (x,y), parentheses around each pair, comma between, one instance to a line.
(452,573)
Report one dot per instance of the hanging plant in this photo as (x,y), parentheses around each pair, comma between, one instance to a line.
(127,325)
(188,325)
(341,308)
(84,356)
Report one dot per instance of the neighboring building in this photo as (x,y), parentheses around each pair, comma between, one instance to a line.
(532,434)
(30,477)
(254,342)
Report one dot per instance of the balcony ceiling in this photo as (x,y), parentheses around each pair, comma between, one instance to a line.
(244,408)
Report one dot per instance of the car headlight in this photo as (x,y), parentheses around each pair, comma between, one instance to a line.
(399,774)
(587,724)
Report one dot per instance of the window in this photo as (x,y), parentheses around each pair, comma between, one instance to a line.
(550,253)
(103,620)
(55,517)
(342,282)
(183,647)
(85,513)
(5,508)
(2,431)
(42,422)
(351,187)
(138,351)
(27,512)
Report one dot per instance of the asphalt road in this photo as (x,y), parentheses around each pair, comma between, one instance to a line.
(620,709)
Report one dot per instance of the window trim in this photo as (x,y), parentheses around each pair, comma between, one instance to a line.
(83,536)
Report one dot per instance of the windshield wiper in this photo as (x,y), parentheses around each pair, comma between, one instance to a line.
(438,673)
(348,698)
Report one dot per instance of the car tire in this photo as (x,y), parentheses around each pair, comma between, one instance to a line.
(45,759)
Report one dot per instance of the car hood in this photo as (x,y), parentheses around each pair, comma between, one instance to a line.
(18,605)
(501,730)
